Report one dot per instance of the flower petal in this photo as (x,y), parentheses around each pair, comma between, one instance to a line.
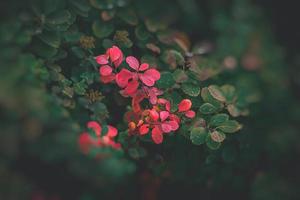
(143,67)
(112,131)
(144,129)
(156,135)
(184,105)
(95,126)
(133,63)
(102,59)
(132,87)
(164,115)
(122,78)
(105,70)
(190,114)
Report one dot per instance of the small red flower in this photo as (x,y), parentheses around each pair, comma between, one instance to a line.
(185,107)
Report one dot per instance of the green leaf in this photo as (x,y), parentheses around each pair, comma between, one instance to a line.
(59,17)
(217,136)
(207,108)
(42,49)
(216,92)
(173,58)
(180,76)
(50,38)
(190,89)
(129,16)
(218,119)
(101,29)
(166,80)
(233,110)
(198,135)
(207,97)
(212,144)
(230,126)
(229,93)
(80,7)
(141,33)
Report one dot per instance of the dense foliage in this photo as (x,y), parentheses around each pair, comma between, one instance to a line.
(144,99)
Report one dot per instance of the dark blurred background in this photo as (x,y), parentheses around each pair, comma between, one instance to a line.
(283,17)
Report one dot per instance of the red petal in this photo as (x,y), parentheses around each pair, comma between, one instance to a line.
(132,87)
(190,114)
(107,79)
(122,78)
(164,115)
(133,62)
(157,136)
(143,67)
(105,70)
(112,131)
(184,105)
(102,59)
(95,126)
(144,129)
(154,115)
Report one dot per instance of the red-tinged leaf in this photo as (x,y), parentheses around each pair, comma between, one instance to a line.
(115,53)
(123,77)
(157,136)
(102,59)
(154,115)
(184,105)
(190,114)
(143,67)
(132,87)
(105,70)
(144,129)
(107,79)
(95,126)
(133,63)
(112,131)
(164,115)
(147,79)
(174,125)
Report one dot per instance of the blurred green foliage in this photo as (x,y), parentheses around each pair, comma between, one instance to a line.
(220,54)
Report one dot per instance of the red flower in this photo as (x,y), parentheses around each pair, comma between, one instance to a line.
(130,80)
(112,56)
(185,107)
(86,141)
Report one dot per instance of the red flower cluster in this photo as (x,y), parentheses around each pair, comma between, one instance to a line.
(86,141)
(137,81)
